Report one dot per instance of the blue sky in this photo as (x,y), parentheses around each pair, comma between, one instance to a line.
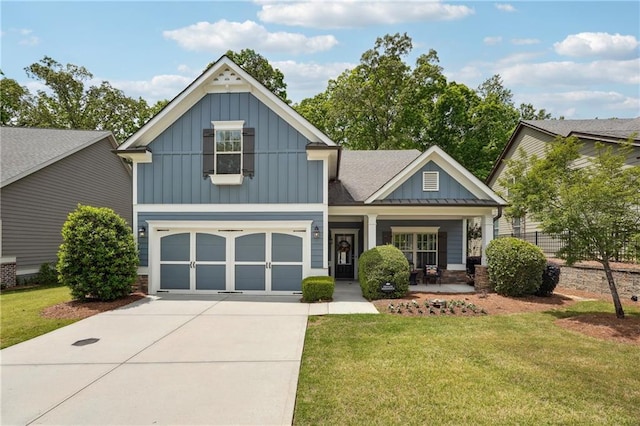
(575,59)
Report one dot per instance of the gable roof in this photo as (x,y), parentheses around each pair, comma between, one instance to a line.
(224,76)
(367,177)
(25,150)
(613,130)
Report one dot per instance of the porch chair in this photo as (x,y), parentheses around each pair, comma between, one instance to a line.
(432,272)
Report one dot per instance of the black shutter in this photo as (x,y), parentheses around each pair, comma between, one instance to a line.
(248,151)
(442,250)
(386,237)
(208,157)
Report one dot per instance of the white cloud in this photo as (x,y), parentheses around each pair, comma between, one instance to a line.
(603,45)
(159,87)
(574,74)
(579,103)
(352,14)
(25,36)
(505,7)
(223,35)
(492,40)
(524,41)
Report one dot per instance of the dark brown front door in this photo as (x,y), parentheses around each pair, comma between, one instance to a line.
(344,251)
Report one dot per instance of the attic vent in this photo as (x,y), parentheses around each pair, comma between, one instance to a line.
(430,181)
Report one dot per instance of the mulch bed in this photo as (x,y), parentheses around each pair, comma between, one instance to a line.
(77,309)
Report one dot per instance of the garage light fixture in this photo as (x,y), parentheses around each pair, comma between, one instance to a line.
(316,232)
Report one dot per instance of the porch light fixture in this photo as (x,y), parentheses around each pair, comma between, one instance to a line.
(316,232)
(142,232)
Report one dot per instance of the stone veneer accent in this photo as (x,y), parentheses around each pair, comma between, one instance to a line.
(8,273)
(593,279)
(482,282)
(142,284)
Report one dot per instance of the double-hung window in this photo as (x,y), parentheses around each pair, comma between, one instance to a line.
(228,152)
(419,245)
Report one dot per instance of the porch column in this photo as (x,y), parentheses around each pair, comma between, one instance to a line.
(487,235)
(465,240)
(371,230)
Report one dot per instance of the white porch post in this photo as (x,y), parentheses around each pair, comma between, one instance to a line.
(487,235)
(465,239)
(371,230)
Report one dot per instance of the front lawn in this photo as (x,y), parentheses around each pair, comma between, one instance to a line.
(21,317)
(504,369)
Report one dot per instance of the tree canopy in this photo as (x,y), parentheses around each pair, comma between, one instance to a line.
(68,102)
(593,209)
(384,103)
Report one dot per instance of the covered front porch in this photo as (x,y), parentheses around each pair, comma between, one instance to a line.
(427,236)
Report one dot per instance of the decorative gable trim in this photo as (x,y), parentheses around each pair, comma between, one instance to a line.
(448,165)
(224,76)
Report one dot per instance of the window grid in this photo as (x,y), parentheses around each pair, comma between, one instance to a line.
(425,251)
(228,152)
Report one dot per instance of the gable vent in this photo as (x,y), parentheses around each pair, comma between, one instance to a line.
(430,181)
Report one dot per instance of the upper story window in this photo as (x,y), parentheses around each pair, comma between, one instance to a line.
(430,181)
(228,152)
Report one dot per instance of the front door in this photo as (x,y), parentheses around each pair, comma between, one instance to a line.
(344,256)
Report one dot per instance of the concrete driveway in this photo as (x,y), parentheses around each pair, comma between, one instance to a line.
(227,359)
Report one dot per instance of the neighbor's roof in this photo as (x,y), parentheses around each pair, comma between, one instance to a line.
(607,130)
(26,150)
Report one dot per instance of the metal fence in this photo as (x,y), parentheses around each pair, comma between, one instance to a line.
(550,244)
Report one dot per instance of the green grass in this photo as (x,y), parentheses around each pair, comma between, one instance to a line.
(20,317)
(516,369)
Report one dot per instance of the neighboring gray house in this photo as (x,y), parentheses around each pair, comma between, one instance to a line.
(234,191)
(534,136)
(45,173)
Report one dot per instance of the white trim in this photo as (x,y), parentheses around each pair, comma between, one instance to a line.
(449,165)
(228,125)
(415,229)
(26,271)
(228,208)
(430,181)
(222,225)
(7,259)
(456,267)
(422,212)
(137,157)
(217,179)
(206,83)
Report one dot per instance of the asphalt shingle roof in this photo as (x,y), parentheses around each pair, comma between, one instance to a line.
(364,172)
(26,150)
(614,127)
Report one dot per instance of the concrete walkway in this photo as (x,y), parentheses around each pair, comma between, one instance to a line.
(224,359)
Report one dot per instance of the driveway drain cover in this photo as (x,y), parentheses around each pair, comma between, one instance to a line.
(85,342)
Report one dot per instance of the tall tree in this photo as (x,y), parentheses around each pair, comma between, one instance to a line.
(12,100)
(259,68)
(593,210)
(69,103)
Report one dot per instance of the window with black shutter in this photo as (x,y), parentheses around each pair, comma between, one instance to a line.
(228,152)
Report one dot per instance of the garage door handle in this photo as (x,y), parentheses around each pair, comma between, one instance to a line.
(268,265)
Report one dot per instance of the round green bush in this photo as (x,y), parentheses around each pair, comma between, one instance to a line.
(98,257)
(381,265)
(515,266)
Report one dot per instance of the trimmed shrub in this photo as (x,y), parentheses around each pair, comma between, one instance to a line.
(381,265)
(98,257)
(47,275)
(515,266)
(550,279)
(318,288)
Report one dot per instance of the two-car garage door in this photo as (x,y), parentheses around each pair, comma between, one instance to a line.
(230,260)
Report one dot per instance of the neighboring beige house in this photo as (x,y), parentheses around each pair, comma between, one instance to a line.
(534,136)
(44,174)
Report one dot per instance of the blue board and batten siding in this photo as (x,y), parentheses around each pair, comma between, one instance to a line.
(449,187)
(453,228)
(282,172)
(316,217)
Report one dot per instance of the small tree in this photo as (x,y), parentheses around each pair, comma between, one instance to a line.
(98,257)
(593,209)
